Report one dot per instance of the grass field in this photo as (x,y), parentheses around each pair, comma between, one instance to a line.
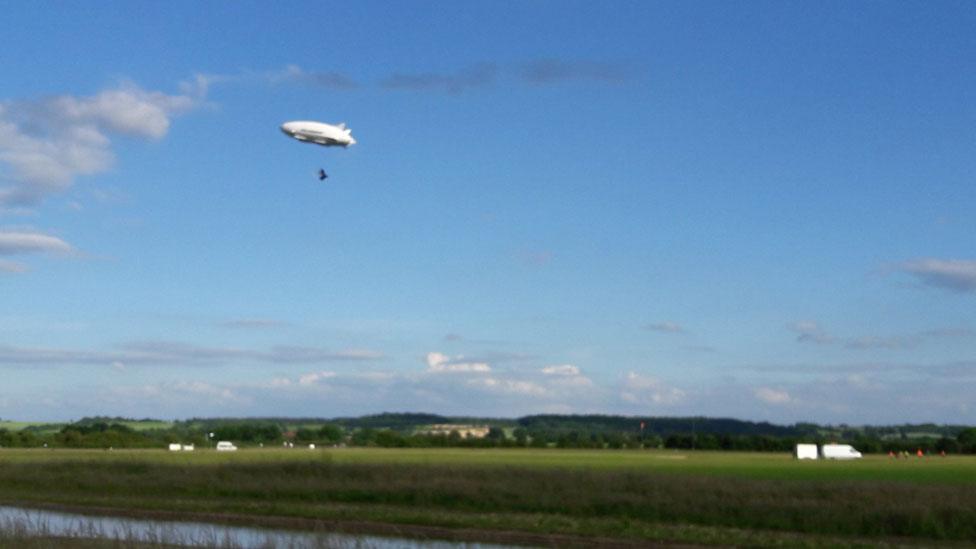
(18,425)
(45,427)
(637,496)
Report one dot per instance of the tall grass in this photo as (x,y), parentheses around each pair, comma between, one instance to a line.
(866,508)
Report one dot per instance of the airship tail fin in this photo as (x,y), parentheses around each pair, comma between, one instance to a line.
(342,126)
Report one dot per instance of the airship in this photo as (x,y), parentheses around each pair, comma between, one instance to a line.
(319,133)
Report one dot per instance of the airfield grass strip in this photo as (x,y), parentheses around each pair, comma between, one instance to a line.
(586,502)
(504,528)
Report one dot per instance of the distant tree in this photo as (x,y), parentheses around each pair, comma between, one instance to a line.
(496,434)
(948,445)
(330,433)
(967,440)
(364,437)
(521,435)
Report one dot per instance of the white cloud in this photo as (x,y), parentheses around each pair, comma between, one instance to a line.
(21,242)
(957,275)
(315,377)
(772,396)
(128,110)
(280,382)
(510,386)
(561,370)
(441,363)
(641,389)
(47,143)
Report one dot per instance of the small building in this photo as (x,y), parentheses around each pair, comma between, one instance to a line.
(466,431)
(174,447)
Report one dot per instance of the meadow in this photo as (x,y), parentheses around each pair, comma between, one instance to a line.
(570,496)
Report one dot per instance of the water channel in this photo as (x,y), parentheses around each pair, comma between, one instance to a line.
(22,523)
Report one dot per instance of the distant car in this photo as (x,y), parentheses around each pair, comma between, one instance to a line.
(839,451)
(175,447)
(224,446)
(187,447)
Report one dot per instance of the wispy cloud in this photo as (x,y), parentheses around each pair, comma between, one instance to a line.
(538,72)
(477,76)
(7,266)
(648,390)
(772,396)
(21,242)
(665,328)
(313,378)
(550,71)
(957,275)
(561,370)
(319,79)
(441,363)
(811,332)
(178,354)
(808,331)
(252,323)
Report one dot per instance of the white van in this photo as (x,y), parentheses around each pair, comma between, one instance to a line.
(224,446)
(805,451)
(839,451)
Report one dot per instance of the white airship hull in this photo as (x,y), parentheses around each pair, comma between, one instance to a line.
(319,133)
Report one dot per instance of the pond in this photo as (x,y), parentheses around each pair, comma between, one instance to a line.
(20,523)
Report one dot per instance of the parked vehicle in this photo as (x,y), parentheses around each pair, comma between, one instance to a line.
(806,451)
(839,451)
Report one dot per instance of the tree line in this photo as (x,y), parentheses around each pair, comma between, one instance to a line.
(540,431)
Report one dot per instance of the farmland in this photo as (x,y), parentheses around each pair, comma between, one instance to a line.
(628,496)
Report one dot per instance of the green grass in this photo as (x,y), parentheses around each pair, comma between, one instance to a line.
(697,497)
(18,425)
(54,427)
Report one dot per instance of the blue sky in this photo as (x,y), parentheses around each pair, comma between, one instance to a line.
(759,210)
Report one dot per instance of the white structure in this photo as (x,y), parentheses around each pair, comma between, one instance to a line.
(839,451)
(187,447)
(805,451)
(175,447)
(466,431)
(224,446)
(319,133)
